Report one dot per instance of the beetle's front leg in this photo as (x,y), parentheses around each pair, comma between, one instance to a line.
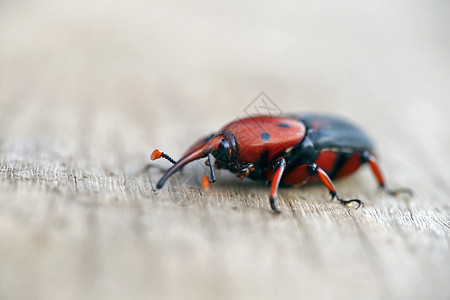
(313,169)
(278,167)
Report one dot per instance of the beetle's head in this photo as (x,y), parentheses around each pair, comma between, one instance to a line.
(222,146)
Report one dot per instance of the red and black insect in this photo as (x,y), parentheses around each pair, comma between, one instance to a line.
(291,150)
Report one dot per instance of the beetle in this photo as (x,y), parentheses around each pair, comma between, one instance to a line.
(289,150)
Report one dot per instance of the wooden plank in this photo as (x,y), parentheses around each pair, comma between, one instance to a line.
(79,215)
(80,229)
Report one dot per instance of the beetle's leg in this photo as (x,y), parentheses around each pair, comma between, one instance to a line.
(205,180)
(211,169)
(279,167)
(245,171)
(313,169)
(366,157)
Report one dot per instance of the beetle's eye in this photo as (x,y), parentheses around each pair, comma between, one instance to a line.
(223,153)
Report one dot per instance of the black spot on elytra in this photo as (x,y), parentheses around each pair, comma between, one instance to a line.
(265,135)
(284,125)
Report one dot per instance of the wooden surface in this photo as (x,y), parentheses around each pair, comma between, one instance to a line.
(89,89)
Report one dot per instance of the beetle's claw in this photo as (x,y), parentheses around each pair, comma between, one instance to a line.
(398,192)
(276,212)
(348,202)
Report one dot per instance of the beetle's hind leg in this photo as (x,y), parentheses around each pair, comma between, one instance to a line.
(278,167)
(313,169)
(366,157)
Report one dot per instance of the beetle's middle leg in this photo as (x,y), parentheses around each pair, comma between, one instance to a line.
(313,169)
(366,157)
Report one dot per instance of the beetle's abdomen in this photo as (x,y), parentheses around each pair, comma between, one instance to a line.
(261,139)
(329,132)
(339,144)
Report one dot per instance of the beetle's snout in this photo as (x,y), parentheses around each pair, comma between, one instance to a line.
(209,147)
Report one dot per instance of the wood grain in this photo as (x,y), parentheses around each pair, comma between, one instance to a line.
(87,94)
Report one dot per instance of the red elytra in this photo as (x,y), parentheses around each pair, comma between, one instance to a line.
(265,134)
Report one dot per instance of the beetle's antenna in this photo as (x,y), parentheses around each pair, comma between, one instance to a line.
(156,154)
(201,151)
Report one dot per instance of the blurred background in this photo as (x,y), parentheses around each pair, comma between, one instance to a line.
(99,84)
(166,64)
